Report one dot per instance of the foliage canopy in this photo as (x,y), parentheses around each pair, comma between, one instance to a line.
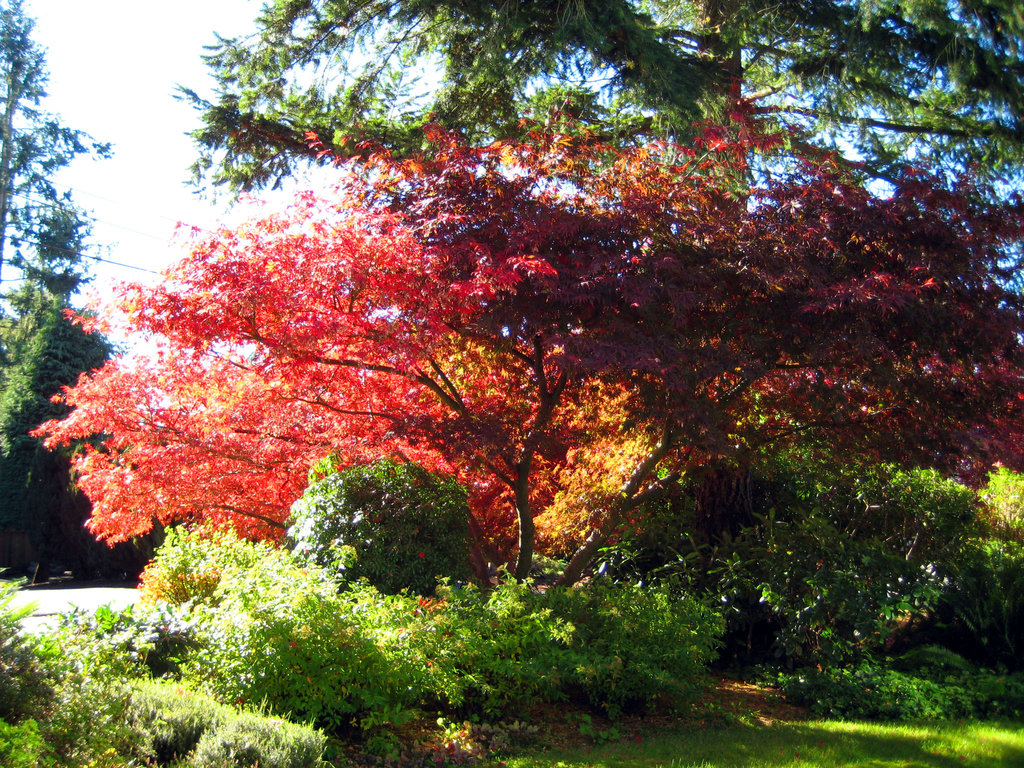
(565,326)
(938,80)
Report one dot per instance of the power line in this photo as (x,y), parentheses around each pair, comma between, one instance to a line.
(82,255)
(92,219)
(121,204)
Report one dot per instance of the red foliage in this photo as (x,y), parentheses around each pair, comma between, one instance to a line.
(521,313)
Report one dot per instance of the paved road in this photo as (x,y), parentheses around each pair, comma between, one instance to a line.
(51,600)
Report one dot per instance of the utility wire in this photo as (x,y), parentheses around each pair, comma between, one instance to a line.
(84,256)
(89,217)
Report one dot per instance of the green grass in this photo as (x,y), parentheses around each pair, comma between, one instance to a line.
(811,744)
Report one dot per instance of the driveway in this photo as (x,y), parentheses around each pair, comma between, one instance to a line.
(51,600)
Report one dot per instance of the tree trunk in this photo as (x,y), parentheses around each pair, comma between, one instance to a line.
(524,516)
(715,16)
(476,555)
(7,151)
(629,497)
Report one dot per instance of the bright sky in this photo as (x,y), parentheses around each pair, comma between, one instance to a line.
(114,65)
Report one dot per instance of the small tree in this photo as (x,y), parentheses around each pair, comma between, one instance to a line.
(566,327)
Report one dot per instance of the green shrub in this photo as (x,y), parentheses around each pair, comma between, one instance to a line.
(396,525)
(869,692)
(825,598)
(86,723)
(492,653)
(248,740)
(283,634)
(833,566)
(173,718)
(632,645)
(1003,498)
(25,684)
(186,568)
(982,604)
(137,641)
(615,647)
(183,727)
(873,691)
(21,746)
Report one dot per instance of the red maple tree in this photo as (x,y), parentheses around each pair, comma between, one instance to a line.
(566,327)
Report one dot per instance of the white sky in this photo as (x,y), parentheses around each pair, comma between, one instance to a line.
(114,66)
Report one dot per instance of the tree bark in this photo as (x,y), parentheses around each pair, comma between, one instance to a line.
(524,516)
(14,78)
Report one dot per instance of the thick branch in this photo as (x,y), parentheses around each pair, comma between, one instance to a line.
(629,498)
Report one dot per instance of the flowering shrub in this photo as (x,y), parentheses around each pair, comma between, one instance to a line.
(188,565)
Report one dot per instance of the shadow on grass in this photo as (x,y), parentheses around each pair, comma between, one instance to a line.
(807,744)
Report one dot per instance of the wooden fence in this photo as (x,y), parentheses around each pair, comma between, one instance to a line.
(15,549)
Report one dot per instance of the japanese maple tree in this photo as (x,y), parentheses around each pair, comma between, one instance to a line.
(567,327)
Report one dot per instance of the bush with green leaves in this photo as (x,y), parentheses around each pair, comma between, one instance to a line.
(981,607)
(494,652)
(879,691)
(396,525)
(137,641)
(86,723)
(280,633)
(631,645)
(823,597)
(25,681)
(248,740)
(186,568)
(1003,499)
(21,745)
(75,703)
(172,717)
(834,564)
(613,647)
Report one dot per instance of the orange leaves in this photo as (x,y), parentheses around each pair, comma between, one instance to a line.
(539,315)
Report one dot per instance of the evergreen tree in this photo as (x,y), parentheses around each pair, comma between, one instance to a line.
(34,145)
(936,80)
(36,492)
(42,236)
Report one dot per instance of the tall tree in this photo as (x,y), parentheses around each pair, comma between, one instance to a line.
(569,328)
(36,491)
(883,80)
(34,145)
(42,237)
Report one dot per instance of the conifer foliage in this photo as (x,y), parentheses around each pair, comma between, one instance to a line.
(942,79)
(567,327)
(42,236)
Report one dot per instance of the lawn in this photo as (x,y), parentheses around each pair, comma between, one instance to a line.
(806,744)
